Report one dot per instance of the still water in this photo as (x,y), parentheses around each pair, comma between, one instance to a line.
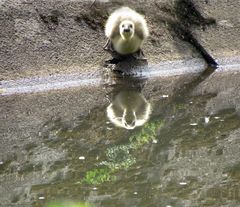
(131,142)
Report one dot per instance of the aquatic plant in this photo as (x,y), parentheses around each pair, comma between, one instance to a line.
(146,135)
(98,176)
(121,157)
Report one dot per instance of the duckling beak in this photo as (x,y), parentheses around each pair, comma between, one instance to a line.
(126,30)
(126,34)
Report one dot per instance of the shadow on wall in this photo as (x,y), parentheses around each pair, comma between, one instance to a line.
(183,17)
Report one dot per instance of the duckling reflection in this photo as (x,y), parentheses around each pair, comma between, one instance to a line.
(129,109)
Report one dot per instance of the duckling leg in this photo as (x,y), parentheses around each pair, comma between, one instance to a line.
(109,48)
(139,55)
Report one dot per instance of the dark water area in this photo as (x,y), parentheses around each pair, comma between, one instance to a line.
(161,142)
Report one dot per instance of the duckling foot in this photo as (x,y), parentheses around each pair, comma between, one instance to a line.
(113,61)
(116,57)
(108,46)
(139,55)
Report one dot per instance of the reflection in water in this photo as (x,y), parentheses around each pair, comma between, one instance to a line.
(129,109)
(169,161)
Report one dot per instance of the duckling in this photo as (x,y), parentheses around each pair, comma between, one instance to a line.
(129,110)
(126,31)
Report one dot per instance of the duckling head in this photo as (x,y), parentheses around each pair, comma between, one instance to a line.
(129,119)
(126,29)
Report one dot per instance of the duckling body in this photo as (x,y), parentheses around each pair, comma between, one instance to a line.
(126,30)
(125,47)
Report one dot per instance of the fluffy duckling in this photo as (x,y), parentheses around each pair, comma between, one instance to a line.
(126,31)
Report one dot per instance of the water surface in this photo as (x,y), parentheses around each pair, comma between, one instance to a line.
(130,142)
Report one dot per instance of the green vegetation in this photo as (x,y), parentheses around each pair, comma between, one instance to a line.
(122,157)
(146,135)
(119,157)
(98,176)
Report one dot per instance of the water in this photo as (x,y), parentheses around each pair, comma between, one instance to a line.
(167,141)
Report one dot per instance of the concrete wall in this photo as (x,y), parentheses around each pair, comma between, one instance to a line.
(50,37)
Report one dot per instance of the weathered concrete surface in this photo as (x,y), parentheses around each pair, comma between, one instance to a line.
(221,39)
(227,93)
(48,37)
(41,38)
